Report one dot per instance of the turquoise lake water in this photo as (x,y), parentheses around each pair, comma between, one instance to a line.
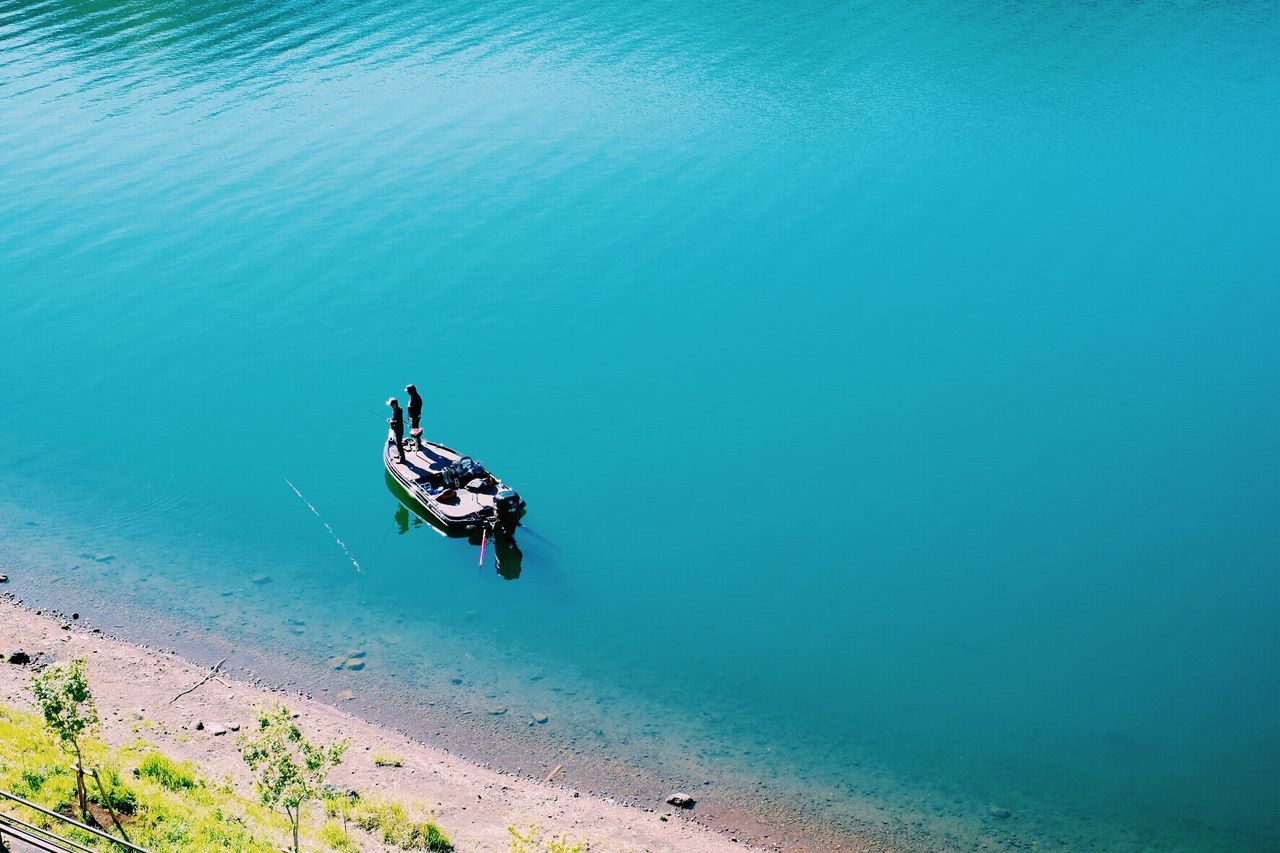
(892,387)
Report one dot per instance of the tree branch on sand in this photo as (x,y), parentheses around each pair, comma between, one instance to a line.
(212,673)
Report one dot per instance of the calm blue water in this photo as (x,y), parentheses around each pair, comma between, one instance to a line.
(890,386)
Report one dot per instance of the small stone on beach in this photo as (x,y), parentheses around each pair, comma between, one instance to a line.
(681,800)
(19,657)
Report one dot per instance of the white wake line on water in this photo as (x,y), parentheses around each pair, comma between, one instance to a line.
(316,513)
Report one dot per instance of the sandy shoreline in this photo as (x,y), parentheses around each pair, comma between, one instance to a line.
(474,804)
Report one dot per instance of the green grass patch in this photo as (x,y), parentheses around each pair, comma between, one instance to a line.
(389,822)
(157,817)
(174,775)
(386,759)
(531,841)
(166,805)
(336,838)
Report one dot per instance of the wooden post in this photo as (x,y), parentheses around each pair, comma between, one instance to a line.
(106,801)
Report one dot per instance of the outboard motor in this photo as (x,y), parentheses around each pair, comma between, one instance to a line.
(510,507)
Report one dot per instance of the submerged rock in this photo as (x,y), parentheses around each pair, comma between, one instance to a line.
(261,579)
(999,811)
(346,695)
(681,800)
(4,578)
(541,717)
(496,710)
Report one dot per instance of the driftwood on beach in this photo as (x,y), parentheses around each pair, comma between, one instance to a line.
(212,673)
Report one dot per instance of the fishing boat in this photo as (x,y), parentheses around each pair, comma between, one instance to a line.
(507,556)
(454,490)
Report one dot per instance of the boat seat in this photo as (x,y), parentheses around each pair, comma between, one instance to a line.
(482,485)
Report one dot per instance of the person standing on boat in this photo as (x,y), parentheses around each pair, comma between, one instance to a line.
(397,426)
(415,410)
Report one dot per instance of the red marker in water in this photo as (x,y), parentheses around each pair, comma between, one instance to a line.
(484,539)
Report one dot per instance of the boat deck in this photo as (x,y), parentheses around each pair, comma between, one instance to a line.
(431,457)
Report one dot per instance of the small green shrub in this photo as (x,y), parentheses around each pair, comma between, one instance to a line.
(386,759)
(176,776)
(33,779)
(289,769)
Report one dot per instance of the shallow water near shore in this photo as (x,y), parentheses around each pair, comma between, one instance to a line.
(893,390)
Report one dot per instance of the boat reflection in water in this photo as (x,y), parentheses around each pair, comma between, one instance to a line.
(506,551)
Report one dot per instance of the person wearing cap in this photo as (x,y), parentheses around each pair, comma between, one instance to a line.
(415,409)
(397,426)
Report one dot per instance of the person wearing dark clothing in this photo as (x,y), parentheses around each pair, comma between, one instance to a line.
(397,426)
(415,407)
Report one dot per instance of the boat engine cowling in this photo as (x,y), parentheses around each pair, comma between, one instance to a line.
(510,507)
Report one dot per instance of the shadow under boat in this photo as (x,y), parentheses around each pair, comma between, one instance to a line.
(410,513)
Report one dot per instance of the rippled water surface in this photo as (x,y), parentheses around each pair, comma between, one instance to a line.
(892,387)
